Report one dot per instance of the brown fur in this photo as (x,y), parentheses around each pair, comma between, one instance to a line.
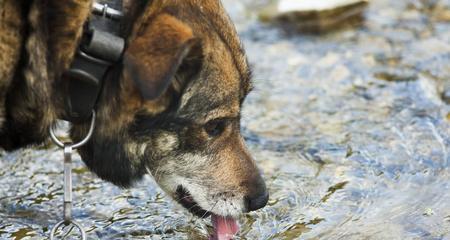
(49,32)
(172,107)
(11,41)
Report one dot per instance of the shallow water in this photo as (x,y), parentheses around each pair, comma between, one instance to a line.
(348,128)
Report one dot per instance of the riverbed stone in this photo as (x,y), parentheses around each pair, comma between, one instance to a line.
(315,16)
(446,94)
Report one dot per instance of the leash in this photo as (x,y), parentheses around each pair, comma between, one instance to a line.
(101,47)
(68,148)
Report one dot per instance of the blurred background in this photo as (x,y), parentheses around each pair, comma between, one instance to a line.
(349,121)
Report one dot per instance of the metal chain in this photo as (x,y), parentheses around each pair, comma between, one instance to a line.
(68,148)
(67,184)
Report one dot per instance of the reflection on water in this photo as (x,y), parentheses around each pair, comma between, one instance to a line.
(349,129)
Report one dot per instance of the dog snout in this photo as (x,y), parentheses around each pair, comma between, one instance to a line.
(258,196)
(254,203)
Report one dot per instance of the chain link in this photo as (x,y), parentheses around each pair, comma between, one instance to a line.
(68,149)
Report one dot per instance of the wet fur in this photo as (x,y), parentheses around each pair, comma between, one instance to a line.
(187,50)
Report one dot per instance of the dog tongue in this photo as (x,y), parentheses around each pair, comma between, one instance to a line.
(224,228)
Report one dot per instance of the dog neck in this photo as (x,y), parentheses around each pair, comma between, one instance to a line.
(34,99)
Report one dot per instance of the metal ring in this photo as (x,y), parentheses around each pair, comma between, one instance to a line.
(77,225)
(79,144)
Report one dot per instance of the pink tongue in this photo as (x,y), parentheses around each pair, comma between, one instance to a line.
(224,227)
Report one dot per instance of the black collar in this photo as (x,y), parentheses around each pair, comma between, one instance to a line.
(101,47)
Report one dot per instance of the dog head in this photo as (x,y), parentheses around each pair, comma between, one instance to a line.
(174,111)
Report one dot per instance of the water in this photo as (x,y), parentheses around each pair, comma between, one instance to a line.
(348,128)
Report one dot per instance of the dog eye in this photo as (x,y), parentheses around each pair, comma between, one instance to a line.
(215,127)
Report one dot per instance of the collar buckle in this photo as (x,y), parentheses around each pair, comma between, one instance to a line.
(100,49)
(105,11)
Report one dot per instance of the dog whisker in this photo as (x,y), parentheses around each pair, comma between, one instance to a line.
(155,176)
(204,214)
(226,224)
(193,206)
(185,197)
(210,210)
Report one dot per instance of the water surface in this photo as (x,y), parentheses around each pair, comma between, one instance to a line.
(349,129)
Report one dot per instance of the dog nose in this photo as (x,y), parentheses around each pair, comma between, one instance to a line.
(257,197)
(257,202)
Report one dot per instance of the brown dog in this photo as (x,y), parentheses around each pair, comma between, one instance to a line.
(170,108)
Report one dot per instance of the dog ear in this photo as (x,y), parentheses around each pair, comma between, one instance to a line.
(155,55)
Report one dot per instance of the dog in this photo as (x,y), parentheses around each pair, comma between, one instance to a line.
(171,107)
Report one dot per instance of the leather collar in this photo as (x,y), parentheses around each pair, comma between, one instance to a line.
(100,49)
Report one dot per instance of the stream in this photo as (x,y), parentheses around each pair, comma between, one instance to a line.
(349,128)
